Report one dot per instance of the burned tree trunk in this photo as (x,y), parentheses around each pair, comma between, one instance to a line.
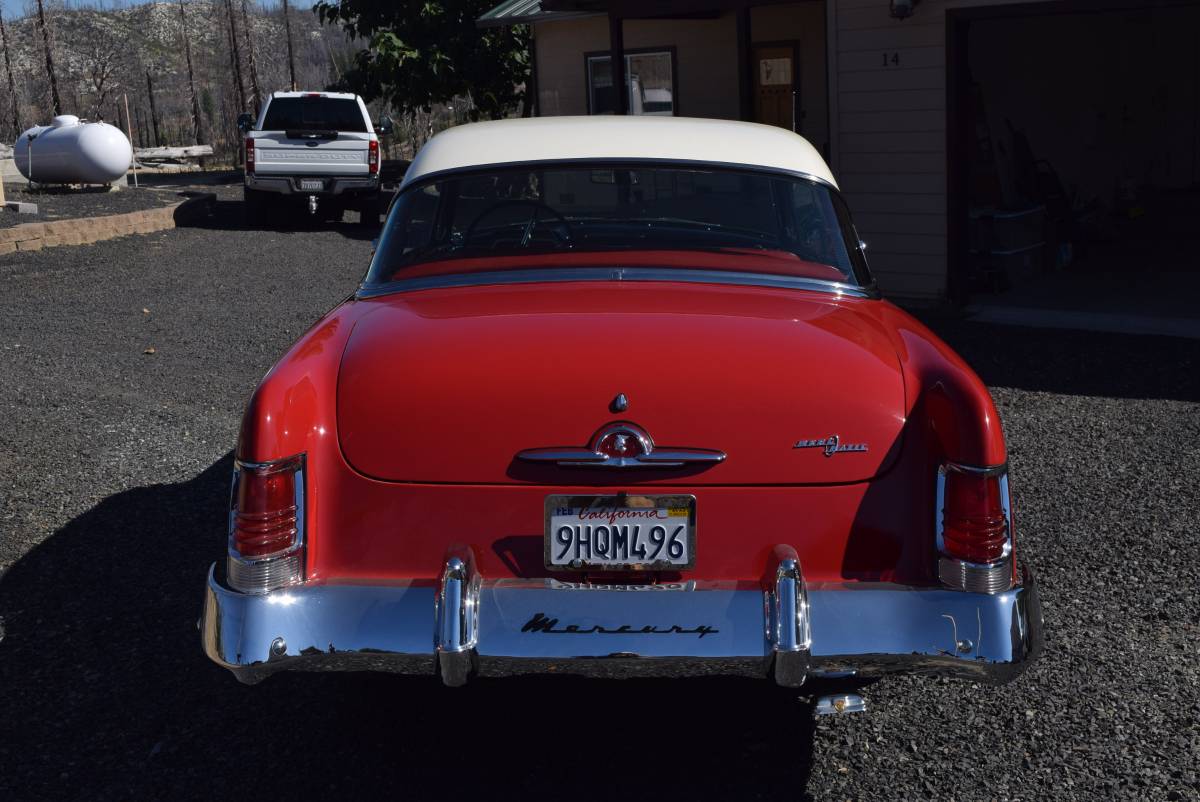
(255,94)
(140,124)
(49,59)
(287,27)
(12,86)
(153,108)
(197,128)
(235,57)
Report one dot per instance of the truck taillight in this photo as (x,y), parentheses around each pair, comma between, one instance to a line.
(974,528)
(373,156)
(249,155)
(266,525)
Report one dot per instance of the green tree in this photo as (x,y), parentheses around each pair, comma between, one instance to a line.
(422,52)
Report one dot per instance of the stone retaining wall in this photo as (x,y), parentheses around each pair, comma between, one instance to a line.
(86,230)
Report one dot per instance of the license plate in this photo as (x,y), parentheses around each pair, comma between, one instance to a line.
(315,185)
(623,532)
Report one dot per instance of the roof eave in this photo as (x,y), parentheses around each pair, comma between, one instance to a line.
(531,19)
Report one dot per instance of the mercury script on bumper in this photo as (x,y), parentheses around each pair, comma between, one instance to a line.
(831,445)
(549,626)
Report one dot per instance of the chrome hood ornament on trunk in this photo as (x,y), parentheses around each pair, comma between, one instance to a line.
(622,445)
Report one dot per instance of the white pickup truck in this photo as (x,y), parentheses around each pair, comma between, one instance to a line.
(318,147)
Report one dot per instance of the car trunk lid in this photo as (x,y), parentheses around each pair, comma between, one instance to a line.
(449,386)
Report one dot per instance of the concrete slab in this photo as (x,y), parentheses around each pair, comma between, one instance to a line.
(21,207)
(1086,320)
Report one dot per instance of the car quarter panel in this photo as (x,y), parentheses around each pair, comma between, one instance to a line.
(944,394)
(293,411)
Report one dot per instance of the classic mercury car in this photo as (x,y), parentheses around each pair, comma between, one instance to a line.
(619,397)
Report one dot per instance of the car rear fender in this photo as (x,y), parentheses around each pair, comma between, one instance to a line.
(944,396)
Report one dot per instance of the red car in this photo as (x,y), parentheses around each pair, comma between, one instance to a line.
(618,396)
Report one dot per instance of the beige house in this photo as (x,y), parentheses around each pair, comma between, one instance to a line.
(924,108)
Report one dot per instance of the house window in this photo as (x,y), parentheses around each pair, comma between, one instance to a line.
(649,82)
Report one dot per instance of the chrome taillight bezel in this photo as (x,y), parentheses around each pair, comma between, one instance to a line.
(282,568)
(959,574)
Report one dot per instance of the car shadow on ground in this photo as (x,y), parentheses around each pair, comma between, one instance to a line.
(228,214)
(106,695)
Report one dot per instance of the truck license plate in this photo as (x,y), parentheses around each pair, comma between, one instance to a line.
(312,185)
(623,532)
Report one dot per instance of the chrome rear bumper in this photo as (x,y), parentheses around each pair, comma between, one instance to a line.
(334,184)
(462,626)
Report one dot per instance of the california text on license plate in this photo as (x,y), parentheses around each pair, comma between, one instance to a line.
(624,532)
(311,184)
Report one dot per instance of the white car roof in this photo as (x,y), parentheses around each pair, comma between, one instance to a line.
(689,139)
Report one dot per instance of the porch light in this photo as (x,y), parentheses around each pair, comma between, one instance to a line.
(903,9)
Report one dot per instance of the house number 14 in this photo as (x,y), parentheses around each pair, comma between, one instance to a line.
(891,59)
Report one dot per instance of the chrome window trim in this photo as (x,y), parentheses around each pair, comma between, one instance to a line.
(561,274)
(365,290)
(613,161)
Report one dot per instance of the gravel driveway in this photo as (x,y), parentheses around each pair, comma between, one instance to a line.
(114,468)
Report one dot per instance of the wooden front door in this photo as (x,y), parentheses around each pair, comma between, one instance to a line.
(775,85)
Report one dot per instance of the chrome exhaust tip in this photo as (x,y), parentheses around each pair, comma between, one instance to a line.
(840,704)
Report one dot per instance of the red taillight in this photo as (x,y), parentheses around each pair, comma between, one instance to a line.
(975,529)
(249,155)
(264,514)
(266,525)
(974,517)
(373,156)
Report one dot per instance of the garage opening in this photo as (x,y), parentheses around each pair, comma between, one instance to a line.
(1074,156)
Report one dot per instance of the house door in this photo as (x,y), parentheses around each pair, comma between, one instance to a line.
(775,98)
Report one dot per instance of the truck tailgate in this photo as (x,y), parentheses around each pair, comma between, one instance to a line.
(301,153)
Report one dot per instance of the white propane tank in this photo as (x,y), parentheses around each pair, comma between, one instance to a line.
(70,152)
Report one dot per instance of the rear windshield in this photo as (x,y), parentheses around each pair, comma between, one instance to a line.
(314,114)
(588,216)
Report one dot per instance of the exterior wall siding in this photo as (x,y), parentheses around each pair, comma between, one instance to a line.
(705,61)
(888,114)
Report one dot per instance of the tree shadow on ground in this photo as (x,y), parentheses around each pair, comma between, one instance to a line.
(107,695)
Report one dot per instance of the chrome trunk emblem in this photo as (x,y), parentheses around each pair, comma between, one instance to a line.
(830,445)
(622,445)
